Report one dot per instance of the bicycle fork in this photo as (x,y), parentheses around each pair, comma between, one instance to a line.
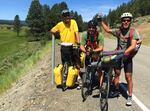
(64,76)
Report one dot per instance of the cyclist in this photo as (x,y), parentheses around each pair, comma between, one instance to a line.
(92,40)
(124,42)
(69,34)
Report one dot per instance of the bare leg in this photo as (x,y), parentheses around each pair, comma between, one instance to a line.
(128,77)
(101,75)
(117,77)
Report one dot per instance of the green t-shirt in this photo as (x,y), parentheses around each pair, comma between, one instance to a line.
(124,39)
(100,39)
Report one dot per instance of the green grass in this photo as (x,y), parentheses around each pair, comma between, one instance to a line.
(10,43)
(17,56)
(13,73)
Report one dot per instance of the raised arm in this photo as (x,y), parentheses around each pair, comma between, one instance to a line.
(101,23)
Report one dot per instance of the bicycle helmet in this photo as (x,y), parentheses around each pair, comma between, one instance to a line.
(126,14)
(65,12)
(91,24)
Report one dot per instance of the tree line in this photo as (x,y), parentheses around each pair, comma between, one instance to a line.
(41,19)
(138,8)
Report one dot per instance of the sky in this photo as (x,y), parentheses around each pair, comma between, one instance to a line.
(87,8)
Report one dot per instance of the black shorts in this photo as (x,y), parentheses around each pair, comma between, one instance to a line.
(70,55)
(127,65)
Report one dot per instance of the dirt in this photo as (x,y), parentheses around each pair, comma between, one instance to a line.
(35,92)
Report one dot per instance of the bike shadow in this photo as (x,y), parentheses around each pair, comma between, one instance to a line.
(122,92)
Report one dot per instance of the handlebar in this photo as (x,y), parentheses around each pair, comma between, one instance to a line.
(107,56)
(109,53)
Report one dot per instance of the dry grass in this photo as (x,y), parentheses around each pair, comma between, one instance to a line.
(142,24)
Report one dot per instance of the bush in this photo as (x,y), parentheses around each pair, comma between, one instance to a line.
(9,27)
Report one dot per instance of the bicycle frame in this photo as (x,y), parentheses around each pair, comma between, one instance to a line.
(107,66)
(87,79)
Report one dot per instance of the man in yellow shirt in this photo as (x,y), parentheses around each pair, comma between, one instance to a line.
(69,36)
(67,28)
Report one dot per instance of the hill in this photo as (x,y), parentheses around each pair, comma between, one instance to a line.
(142,24)
(10,22)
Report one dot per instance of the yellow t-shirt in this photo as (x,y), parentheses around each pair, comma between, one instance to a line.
(67,34)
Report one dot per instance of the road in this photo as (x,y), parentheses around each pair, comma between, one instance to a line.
(34,91)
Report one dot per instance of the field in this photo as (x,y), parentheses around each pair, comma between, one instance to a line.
(10,43)
(17,55)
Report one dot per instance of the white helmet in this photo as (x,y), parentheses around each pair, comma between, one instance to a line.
(127,14)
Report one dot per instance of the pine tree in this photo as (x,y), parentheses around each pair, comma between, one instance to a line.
(17,25)
(35,19)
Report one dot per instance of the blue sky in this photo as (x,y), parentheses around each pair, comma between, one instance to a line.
(87,8)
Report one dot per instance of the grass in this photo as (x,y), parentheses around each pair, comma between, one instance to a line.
(9,43)
(13,73)
(17,56)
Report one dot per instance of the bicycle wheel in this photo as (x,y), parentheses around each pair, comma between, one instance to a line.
(64,76)
(86,85)
(104,90)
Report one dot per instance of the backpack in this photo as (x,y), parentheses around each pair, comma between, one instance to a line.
(92,43)
(139,41)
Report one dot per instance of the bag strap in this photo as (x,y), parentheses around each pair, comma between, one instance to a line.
(131,34)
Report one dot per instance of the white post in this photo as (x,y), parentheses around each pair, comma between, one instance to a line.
(53,57)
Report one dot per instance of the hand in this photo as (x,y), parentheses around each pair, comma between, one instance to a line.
(78,45)
(99,17)
(126,54)
(90,52)
(87,53)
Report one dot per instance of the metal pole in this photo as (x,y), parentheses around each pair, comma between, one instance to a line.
(53,57)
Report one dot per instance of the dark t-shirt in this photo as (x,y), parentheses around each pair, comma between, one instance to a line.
(124,39)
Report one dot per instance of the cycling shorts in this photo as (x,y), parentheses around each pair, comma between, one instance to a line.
(127,65)
(70,55)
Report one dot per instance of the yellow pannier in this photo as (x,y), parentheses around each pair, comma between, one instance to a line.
(72,75)
(57,74)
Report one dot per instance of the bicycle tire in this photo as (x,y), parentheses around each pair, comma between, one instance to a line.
(64,76)
(84,88)
(104,90)
(86,85)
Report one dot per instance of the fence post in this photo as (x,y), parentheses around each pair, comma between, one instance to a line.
(53,57)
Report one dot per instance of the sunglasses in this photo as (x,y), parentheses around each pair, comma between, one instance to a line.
(91,27)
(126,20)
(66,14)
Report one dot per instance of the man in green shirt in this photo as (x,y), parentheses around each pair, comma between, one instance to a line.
(92,40)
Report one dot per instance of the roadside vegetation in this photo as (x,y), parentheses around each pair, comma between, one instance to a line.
(17,55)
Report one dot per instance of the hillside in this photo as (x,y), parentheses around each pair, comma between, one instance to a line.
(142,24)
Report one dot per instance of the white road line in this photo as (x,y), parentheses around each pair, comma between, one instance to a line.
(137,101)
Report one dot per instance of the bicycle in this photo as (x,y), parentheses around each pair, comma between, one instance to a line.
(108,61)
(88,77)
(69,62)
